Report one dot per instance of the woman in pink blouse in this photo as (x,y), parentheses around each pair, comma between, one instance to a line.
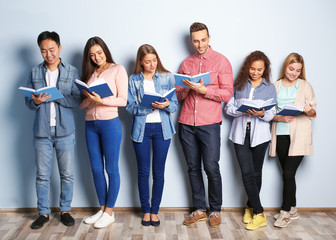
(102,125)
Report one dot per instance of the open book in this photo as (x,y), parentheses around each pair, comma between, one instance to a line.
(250,104)
(291,110)
(53,91)
(99,86)
(195,79)
(149,98)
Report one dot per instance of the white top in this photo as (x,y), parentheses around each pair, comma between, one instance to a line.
(250,98)
(153,117)
(51,78)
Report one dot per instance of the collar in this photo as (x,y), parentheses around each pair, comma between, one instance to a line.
(263,81)
(61,63)
(206,55)
(156,75)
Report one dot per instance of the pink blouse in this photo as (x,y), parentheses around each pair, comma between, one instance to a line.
(116,78)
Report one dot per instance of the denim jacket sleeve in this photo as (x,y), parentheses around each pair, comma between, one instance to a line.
(30,102)
(73,99)
(269,114)
(173,102)
(133,101)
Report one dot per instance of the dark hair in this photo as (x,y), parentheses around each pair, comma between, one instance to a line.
(88,66)
(48,35)
(196,26)
(244,75)
(142,52)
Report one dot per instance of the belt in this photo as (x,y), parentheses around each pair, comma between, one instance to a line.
(248,126)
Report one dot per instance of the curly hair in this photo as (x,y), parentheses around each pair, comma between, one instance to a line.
(244,75)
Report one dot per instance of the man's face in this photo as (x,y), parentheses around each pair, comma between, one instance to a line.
(50,51)
(200,40)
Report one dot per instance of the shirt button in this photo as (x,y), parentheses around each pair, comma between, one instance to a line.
(195,111)
(197,101)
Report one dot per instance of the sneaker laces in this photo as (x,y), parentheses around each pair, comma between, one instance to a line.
(213,214)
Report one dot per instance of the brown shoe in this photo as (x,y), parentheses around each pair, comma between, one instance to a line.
(194,218)
(214,219)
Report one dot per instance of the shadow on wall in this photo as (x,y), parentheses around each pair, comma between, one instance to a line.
(82,169)
(22,119)
(127,149)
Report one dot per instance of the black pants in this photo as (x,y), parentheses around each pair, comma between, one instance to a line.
(251,160)
(289,165)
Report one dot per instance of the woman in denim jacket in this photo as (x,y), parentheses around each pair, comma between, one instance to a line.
(250,132)
(150,124)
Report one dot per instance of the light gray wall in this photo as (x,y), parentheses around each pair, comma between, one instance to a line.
(237,28)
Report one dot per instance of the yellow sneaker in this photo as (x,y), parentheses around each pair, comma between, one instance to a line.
(248,215)
(259,220)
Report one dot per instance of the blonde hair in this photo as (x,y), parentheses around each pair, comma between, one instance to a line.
(293,58)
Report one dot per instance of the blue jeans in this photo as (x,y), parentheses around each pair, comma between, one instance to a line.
(251,160)
(44,150)
(153,132)
(103,139)
(203,142)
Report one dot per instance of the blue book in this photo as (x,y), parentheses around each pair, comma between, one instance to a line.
(195,79)
(290,110)
(149,98)
(258,106)
(99,86)
(53,91)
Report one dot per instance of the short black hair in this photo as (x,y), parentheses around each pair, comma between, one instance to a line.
(48,35)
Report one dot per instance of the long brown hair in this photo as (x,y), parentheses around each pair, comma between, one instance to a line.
(142,52)
(244,74)
(293,58)
(88,66)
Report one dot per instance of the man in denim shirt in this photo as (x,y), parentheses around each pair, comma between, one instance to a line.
(54,127)
(199,122)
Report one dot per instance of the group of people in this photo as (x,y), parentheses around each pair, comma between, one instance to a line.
(152,128)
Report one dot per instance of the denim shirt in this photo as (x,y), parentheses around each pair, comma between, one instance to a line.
(65,123)
(260,126)
(163,82)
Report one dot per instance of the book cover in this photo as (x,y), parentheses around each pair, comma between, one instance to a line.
(53,91)
(195,79)
(250,104)
(149,98)
(290,110)
(99,86)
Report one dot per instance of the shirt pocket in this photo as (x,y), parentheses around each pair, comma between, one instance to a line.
(64,86)
(38,83)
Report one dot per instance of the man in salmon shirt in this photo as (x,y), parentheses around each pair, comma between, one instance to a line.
(199,122)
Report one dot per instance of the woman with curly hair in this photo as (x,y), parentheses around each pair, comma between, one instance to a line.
(250,132)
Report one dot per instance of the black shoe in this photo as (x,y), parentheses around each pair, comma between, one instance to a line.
(145,223)
(155,223)
(39,222)
(67,220)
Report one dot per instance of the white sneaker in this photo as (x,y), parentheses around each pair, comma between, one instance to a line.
(93,218)
(104,221)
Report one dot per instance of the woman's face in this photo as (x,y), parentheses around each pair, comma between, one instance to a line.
(256,70)
(149,63)
(97,55)
(293,71)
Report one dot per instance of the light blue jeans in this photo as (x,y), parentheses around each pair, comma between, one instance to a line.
(44,150)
